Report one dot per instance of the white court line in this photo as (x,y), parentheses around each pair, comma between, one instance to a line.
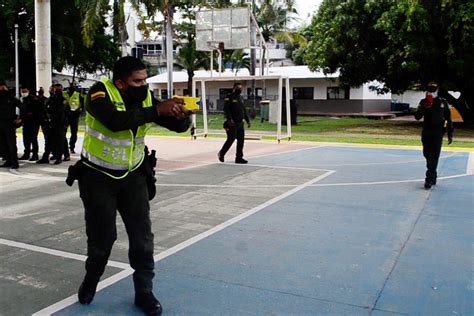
(287,152)
(383,182)
(470,165)
(125,273)
(58,253)
(386,163)
(276,167)
(226,185)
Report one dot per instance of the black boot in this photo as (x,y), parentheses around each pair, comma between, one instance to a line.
(428,185)
(34,157)
(86,291)
(240,160)
(220,157)
(148,303)
(25,156)
(43,160)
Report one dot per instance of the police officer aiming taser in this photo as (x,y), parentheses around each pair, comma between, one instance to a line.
(112,178)
(436,122)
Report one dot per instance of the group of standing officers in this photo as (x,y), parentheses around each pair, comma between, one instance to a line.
(54,115)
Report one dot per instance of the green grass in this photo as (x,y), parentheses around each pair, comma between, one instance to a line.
(339,130)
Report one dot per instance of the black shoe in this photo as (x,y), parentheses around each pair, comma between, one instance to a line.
(220,157)
(24,157)
(34,158)
(68,158)
(43,160)
(57,162)
(148,303)
(240,160)
(86,292)
(15,166)
(72,151)
(433,182)
(428,185)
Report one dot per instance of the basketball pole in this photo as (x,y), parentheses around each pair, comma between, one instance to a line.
(43,44)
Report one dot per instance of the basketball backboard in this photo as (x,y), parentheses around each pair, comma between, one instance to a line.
(230,26)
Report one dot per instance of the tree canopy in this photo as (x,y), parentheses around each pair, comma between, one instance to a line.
(68,49)
(404,44)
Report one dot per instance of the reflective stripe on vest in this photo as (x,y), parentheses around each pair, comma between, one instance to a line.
(74,100)
(119,150)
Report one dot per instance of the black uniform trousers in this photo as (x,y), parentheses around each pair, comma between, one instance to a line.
(59,142)
(30,138)
(73,119)
(8,142)
(233,133)
(103,196)
(432,141)
(48,147)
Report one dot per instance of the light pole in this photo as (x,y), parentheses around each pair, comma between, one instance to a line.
(17,75)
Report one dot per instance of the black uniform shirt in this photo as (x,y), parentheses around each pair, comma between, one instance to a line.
(436,116)
(234,108)
(8,105)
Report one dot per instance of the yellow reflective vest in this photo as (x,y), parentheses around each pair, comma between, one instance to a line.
(121,150)
(74,100)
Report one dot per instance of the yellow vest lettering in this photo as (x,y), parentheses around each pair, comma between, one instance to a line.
(120,150)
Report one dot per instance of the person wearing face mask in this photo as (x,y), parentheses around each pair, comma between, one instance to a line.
(31,116)
(112,176)
(75,102)
(58,108)
(436,122)
(235,113)
(9,120)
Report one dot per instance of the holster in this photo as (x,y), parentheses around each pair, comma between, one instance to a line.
(74,171)
(149,165)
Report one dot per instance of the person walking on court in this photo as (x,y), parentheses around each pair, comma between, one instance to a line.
(436,122)
(235,113)
(75,102)
(112,178)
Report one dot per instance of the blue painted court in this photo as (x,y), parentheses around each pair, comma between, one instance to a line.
(366,239)
(342,231)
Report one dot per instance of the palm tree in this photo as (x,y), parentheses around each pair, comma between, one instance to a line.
(190,59)
(273,17)
(239,60)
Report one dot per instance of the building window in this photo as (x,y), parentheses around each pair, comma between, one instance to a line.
(338,93)
(185,92)
(303,93)
(164,94)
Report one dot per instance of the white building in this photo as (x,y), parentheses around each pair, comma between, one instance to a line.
(314,92)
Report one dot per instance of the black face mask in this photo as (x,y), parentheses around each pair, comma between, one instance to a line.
(137,94)
(431,89)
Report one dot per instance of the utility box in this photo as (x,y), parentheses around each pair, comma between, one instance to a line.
(264,110)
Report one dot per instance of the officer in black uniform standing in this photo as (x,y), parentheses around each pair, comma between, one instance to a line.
(9,120)
(58,109)
(235,113)
(31,116)
(121,106)
(437,121)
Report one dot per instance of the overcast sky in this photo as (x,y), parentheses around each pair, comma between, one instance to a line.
(306,8)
